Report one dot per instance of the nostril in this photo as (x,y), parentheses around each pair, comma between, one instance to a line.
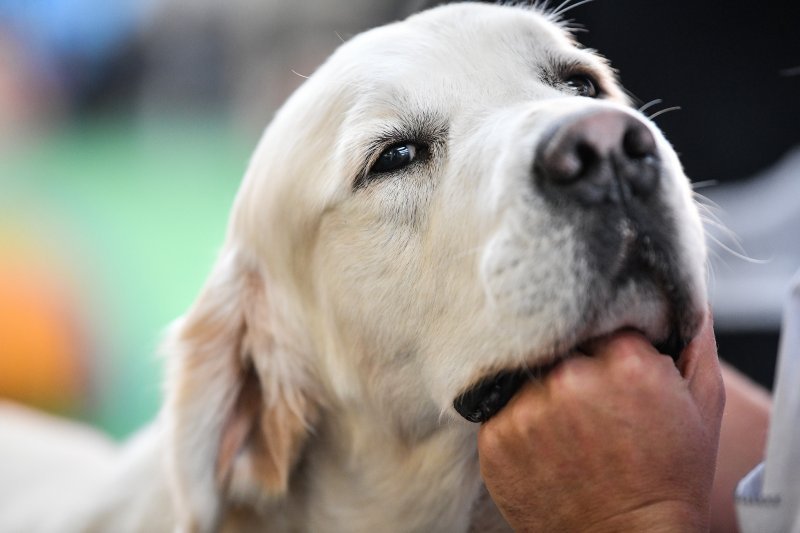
(641,173)
(588,156)
(638,142)
(565,162)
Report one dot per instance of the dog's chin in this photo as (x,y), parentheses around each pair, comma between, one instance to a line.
(491,393)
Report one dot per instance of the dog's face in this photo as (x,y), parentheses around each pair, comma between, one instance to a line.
(448,252)
(459,195)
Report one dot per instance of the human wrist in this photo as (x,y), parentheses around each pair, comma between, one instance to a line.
(655,517)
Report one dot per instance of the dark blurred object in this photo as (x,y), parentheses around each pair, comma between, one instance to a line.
(727,64)
(752,352)
(115,87)
(66,46)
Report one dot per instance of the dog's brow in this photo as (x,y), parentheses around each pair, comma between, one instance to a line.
(425,127)
(557,69)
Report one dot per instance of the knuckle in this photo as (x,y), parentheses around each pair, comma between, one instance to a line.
(631,345)
(489,440)
(629,362)
(523,415)
(633,354)
(570,376)
(649,370)
(516,420)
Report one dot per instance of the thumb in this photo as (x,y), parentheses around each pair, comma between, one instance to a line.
(700,367)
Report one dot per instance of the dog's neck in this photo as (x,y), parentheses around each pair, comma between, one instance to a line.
(357,474)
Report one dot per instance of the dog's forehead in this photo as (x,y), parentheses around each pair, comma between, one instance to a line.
(484,54)
(458,29)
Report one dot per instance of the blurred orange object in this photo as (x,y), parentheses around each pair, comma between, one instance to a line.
(41,359)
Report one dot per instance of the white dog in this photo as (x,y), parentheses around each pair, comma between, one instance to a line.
(448,204)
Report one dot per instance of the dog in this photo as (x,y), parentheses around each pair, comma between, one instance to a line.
(449,205)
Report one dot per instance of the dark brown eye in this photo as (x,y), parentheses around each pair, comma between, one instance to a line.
(583,85)
(395,157)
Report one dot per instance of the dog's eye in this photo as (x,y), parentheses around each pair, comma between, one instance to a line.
(583,85)
(395,157)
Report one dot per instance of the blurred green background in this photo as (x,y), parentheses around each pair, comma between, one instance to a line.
(125,221)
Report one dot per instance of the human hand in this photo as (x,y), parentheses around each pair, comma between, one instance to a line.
(622,440)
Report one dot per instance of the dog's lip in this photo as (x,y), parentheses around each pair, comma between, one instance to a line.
(491,393)
(671,345)
(483,400)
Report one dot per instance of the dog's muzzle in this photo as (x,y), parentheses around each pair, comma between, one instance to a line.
(603,165)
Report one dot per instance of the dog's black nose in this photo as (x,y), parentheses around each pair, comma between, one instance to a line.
(605,156)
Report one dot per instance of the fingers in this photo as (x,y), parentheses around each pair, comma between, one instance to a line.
(627,343)
(700,367)
(629,356)
(697,358)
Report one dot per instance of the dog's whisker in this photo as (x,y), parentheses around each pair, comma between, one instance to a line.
(713,252)
(719,259)
(705,183)
(726,235)
(706,206)
(542,6)
(575,28)
(539,4)
(711,274)
(736,254)
(560,13)
(716,223)
(711,220)
(707,203)
(711,211)
(298,74)
(649,104)
(667,110)
(560,6)
(709,217)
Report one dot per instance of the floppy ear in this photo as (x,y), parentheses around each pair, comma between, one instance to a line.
(238,409)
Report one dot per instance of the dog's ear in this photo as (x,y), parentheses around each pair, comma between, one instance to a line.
(239,408)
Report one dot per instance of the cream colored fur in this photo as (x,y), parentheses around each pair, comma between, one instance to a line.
(310,386)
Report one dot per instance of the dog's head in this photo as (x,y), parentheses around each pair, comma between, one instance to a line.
(455,197)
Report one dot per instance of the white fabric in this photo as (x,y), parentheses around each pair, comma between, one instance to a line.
(768,499)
